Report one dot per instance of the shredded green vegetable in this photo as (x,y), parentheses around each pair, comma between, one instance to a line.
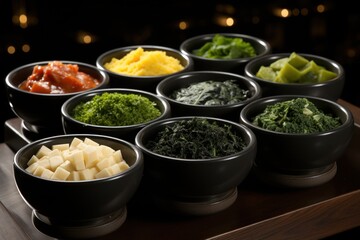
(222,47)
(297,115)
(116,109)
(196,139)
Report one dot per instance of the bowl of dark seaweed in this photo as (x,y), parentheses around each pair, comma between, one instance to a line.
(142,66)
(228,52)
(297,73)
(300,138)
(117,112)
(208,93)
(194,164)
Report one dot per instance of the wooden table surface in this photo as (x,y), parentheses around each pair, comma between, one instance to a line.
(259,212)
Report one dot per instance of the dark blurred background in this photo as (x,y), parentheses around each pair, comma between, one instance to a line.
(79,30)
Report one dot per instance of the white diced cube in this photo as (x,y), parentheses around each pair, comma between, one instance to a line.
(44,162)
(86,174)
(77,159)
(123,166)
(118,156)
(90,156)
(38,171)
(61,147)
(31,169)
(67,165)
(75,142)
(114,169)
(90,142)
(47,173)
(107,151)
(103,173)
(74,176)
(32,160)
(43,151)
(60,174)
(105,163)
(55,161)
(55,152)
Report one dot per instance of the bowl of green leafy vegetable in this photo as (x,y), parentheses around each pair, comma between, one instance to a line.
(300,138)
(227,52)
(194,164)
(117,112)
(297,73)
(208,93)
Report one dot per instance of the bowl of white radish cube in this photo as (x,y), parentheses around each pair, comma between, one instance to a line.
(78,185)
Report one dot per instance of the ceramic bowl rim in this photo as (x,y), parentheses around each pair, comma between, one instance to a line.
(252,82)
(65,113)
(138,163)
(9,83)
(100,65)
(279,98)
(244,129)
(276,56)
(261,42)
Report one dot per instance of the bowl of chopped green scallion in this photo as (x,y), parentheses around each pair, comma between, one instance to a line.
(194,164)
(227,52)
(300,138)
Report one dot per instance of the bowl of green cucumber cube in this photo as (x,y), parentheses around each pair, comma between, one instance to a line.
(297,73)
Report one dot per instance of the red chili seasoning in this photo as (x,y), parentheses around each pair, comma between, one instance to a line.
(57,77)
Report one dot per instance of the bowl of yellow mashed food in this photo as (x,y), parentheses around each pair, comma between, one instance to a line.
(142,67)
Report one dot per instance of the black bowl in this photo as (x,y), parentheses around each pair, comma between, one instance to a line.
(195,186)
(146,83)
(127,132)
(41,112)
(331,89)
(227,65)
(300,160)
(71,207)
(229,111)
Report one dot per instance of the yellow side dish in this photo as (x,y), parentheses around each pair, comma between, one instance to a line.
(144,63)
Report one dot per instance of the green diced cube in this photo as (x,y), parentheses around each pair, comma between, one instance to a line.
(266,73)
(288,74)
(278,64)
(325,75)
(297,61)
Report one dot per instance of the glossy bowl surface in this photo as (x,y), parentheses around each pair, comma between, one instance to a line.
(299,153)
(195,179)
(71,125)
(67,202)
(331,89)
(261,47)
(146,83)
(41,112)
(230,111)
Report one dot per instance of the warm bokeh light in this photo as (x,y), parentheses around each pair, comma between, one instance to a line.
(230,21)
(87,39)
(285,13)
(183,25)
(11,50)
(304,11)
(25,48)
(23,19)
(320,8)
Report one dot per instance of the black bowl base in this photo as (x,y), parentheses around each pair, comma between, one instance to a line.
(310,179)
(99,228)
(201,208)
(33,132)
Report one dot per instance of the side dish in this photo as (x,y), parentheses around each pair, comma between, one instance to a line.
(78,160)
(211,93)
(222,47)
(295,69)
(56,78)
(116,109)
(298,115)
(196,139)
(145,63)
